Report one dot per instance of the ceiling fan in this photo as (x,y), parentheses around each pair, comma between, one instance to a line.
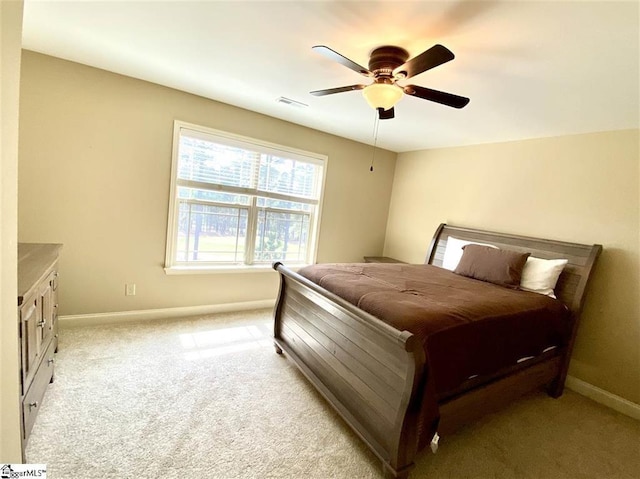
(387,66)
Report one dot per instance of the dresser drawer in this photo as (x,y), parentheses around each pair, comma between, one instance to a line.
(33,399)
(31,335)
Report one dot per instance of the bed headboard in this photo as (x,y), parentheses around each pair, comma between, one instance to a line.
(573,281)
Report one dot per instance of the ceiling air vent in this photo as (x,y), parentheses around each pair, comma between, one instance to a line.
(290,102)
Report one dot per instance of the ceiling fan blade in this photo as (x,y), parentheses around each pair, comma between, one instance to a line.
(441,97)
(336,57)
(386,114)
(431,58)
(331,91)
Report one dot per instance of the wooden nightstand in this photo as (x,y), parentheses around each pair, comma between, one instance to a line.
(381,259)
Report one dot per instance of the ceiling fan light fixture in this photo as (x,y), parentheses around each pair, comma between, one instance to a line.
(382,95)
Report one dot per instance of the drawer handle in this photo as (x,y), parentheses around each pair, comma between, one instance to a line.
(51,361)
(33,404)
(42,323)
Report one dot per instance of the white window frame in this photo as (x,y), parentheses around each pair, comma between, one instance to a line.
(223,137)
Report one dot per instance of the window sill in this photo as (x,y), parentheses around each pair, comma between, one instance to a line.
(231,269)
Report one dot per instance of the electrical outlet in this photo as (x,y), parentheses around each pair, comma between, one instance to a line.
(130,289)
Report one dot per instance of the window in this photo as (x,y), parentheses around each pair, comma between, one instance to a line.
(241,202)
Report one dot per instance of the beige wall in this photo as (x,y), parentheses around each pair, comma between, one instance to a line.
(581,188)
(11,31)
(95,157)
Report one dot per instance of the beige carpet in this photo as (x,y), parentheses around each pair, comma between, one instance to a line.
(207,397)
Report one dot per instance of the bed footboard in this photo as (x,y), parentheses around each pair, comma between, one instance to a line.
(368,371)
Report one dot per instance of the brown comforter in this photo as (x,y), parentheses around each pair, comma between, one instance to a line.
(468,327)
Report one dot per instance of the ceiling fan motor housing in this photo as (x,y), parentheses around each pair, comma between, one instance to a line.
(384,60)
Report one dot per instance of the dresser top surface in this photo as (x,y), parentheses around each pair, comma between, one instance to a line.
(34,260)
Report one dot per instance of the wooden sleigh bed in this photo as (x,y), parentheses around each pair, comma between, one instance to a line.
(376,376)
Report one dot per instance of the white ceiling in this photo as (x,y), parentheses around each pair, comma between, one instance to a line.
(531,69)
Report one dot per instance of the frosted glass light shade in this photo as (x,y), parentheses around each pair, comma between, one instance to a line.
(382,95)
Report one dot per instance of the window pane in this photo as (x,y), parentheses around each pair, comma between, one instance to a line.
(282,175)
(211,233)
(284,205)
(215,196)
(210,162)
(281,236)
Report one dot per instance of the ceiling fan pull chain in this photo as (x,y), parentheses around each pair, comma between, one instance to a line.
(376,123)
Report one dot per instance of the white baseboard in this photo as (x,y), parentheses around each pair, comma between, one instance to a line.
(604,397)
(165,313)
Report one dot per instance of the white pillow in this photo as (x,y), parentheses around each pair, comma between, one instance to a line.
(541,275)
(453,252)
